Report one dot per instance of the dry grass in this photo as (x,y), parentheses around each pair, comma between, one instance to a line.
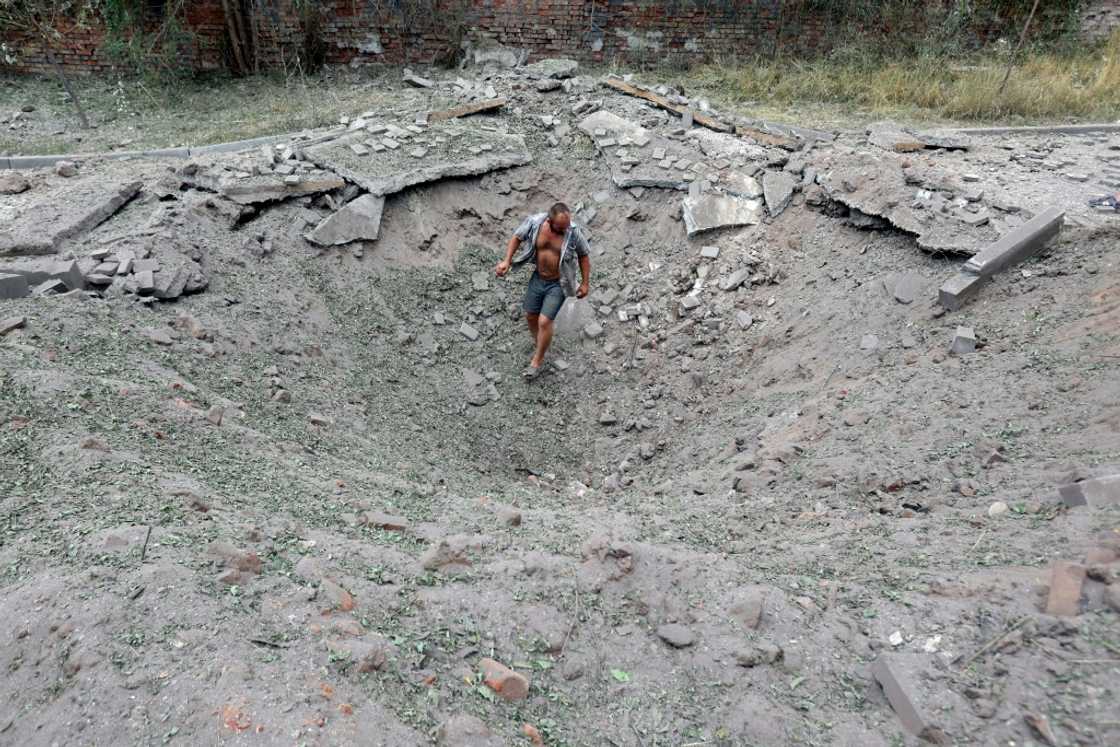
(1043,86)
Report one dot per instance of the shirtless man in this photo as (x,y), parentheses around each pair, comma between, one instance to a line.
(555,245)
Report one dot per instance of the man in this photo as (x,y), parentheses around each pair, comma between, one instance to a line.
(555,245)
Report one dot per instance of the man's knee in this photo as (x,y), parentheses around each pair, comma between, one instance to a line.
(544,322)
(532,319)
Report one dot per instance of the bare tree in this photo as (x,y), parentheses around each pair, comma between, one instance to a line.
(40,20)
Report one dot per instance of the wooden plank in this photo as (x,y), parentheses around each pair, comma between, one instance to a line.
(765,137)
(466,110)
(664,103)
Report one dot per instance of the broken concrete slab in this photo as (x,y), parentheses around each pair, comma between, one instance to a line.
(12,323)
(65,213)
(39,270)
(876,184)
(1066,581)
(554,67)
(959,289)
(13,286)
(914,698)
(894,137)
(455,149)
(466,110)
(254,190)
(777,187)
(710,211)
(612,125)
(1097,492)
(1017,245)
(739,184)
(663,102)
(907,287)
(358,220)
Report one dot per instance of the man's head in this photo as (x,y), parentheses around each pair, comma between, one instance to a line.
(559,218)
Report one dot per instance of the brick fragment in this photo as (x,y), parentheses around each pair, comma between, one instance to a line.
(1066,580)
(507,683)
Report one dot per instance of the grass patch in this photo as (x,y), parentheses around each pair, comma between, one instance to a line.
(1083,84)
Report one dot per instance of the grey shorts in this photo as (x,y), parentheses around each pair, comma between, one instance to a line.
(543,296)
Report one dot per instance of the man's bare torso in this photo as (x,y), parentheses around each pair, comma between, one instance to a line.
(549,246)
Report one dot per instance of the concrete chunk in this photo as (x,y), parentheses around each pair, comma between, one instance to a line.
(777,187)
(1100,491)
(13,286)
(1017,245)
(41,269)
(359,220)
(468,332)
(710,211)
(959,290)
(270,188)
(1066,580)
(11,323)
(964,341)
(899,676)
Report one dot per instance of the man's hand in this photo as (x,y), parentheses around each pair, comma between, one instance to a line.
(503,268)
(582,292)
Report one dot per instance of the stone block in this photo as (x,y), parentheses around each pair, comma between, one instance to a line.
(1017,245)
(1100,491)
(960,289)
(900,676)
(964,341)
(13,286)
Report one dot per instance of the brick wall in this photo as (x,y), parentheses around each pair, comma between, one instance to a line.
(395,31)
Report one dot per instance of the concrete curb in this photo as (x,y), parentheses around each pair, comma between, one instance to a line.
(39,162)
(1044,130)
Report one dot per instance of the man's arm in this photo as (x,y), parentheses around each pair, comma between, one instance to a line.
(507,262)
(585,272)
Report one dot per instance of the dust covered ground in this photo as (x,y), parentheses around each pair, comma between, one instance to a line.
(298,504)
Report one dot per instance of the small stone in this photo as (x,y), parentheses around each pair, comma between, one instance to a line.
(66,169)
(317,419)
(468,332)
(963,342)
(215,414)
(709,252)
(387,522)
(339,598)
(12,183)
(418,152)
(607,418)
(744,319)
(676,635)
(11,323)
(869,343)
(998,509)
(593,330)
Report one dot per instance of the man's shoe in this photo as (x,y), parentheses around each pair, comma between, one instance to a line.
(531,372)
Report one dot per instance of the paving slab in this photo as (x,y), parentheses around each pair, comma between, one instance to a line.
(455,149)
(65,213)
(358,220)
(709,212)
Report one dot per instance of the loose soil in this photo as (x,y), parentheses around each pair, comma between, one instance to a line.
(685,533)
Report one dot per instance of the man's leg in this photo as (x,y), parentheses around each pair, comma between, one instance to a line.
(532,319)
(544,339)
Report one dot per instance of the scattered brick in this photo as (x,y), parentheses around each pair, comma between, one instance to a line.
(507,683)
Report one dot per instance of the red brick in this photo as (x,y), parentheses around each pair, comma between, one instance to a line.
(1066,580)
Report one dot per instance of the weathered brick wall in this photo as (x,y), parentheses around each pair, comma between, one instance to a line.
(395,31)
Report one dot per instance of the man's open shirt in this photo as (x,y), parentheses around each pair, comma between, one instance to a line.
(574,247)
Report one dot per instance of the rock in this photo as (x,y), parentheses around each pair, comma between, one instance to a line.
(711,211)
(556,68)
(387,522)
(245,561)
(748,610)
(763,653)
(743,319)
(468,332)
(416,81)
(13,286)
(159,336)
(741,185)
(607,418)
(869,343)
(964,341)
(676,635)
(998,509)
(446,552)
(12,183)
(267,188)
(215,414)
(547,85)
(339,598)
(466,730)
(709,252)
(478,390)
(907,288)
(510,685)
(66,169)
(358,220)
(318,419)
(777,187)
(735,279)
(593,330)
(1099,491)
